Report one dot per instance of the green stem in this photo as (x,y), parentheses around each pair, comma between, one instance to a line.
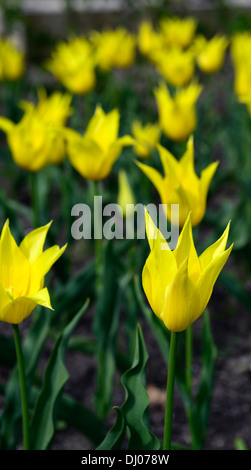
(23,387)
(189,348)
(170,393)
(34,199)
(97,240)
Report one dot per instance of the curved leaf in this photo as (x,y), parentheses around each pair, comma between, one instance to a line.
(56,375)
(136,405)
(115,437)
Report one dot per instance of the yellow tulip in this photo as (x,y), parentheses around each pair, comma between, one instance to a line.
(22,272)
(94,153)
(180,184)
(178,284)
(240,54)
(12,64)
(146,138)
(33,142)
(177,114)
(114,48)
(178,31)
(210,53)
(125,195)
(72,63)
(148,40)
(175,65)
(54,109)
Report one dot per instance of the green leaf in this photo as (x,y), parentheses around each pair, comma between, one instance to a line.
(200,407)
(136,405)
(56,375)
(105,330)
(11,418)
(115,437)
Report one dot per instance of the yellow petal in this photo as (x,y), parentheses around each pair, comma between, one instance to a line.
(14,266)
(214,250)
(33,243)
(206,283)
(19,309)
(6,125)
(153,233)
(177,315)
(206,178)
(44,262)
(186,249)
(88,159)
(154,176)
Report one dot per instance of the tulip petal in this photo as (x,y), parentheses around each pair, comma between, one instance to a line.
(169,163)
(206,177)
(44,262)
(6,125)
(153,233)
(176,314)
(214,250)
(185,248)
(14,266)
(154,176)
(19,309)
(33,243)
(206,283)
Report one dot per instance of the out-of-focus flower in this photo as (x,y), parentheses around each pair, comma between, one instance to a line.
(148,40)
(178,284)
(114,48)
(12,61)
(125,195)
(34,143)
(22,273)
(176,65)
(146,138)
(240,54)
(178,31)
(177,113)
(94,153)
(180,184)
(73,64)
(54,109)
(210,53)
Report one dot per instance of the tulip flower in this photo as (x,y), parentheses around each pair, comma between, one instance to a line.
(22,273)
(12,64)
(73,65)
(210,54)
(148,40)
(177,114)
(175,65)
(178,31)
(146,138)
(180,184)
(94,153)
(33,142)
(240,54)
(54,109)
(114,48)
(178,284)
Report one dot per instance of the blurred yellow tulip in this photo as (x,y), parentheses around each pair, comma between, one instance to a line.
(148,40)
(125,195)
(12,63)
(176,65)
(146,138)
(178,284)
(114,48)
(22,273)
(54,109)
(180,184)
(240,53)
(72,63)
(178,31)
(33,142)
(94,153)
(210,53)
(177,113)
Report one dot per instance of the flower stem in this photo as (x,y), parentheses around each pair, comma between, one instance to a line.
(189,343)
(97,239)
(170,393)
(23,387)
(34,199)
